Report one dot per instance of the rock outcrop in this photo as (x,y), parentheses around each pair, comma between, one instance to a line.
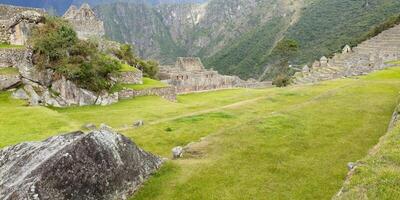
(101,165)
(9,80)
(16,23)
(371,55)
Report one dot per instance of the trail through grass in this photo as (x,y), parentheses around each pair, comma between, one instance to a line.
(276,143)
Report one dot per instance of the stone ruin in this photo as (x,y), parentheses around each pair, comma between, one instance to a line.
(189,75)
(85,22)
(99,165)
(371,55)
(16,23)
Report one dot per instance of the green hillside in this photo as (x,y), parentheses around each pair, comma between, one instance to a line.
(240,41)
(281,143)
(323,28)
(140,25)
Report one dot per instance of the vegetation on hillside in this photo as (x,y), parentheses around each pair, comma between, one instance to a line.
(57,47)
(245,56)
(326,26)
(323,28)
(141,26)
(126,53)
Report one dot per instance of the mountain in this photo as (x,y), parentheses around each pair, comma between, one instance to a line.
(190,29)
(60,6)
(241,36)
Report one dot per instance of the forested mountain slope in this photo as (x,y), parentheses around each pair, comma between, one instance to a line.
(238,36)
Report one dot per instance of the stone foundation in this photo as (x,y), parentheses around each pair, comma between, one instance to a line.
(14,57)
(189,75)
(134,77)
(367,57)
(168,93)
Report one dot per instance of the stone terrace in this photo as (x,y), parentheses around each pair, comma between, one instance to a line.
(189,75)
(368,56)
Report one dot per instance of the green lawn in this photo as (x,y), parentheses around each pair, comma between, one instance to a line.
(9,46)
(127,68)
(147,83)
(275,143)
(378,174)
(8,71)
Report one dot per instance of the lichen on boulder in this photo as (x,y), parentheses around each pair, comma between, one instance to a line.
(99,165)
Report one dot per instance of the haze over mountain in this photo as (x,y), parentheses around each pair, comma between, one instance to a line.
(60,6)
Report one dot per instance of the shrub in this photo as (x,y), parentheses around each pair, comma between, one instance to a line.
(126,53)
(57,47)
(281,80)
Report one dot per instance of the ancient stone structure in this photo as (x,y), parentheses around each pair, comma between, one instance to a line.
(16,23)
(371,55)
(15,57)
(168,93)
(189,75)
(132,77)
(99,165)
(85,22)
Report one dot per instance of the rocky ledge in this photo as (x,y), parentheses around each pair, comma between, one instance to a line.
(99,165)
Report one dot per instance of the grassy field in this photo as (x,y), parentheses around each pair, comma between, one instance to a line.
(8,46)
(377,176)
(8,71)
(276,143)
(128,68)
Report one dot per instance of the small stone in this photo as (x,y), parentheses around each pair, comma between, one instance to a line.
(351,165)
(105,127)
(90,126)
(138,123)
(20,94)
(177,152)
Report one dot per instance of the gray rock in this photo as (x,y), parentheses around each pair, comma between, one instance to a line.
(351,165)
(9,81)
(100,165)
(177,152)
(34,99)
(20,94)
(138,123)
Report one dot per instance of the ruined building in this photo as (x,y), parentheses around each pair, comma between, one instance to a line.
(85,22)
(189,75)
(373,54)
(16,23)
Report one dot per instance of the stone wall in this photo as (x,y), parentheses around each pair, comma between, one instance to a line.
(189,64)
(168,93)
(368,56)
(85,22)
(189,75)
(16,23)
(14,57)
(133,77)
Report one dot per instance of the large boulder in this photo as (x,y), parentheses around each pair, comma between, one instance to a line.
(95,166)
(8,81)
